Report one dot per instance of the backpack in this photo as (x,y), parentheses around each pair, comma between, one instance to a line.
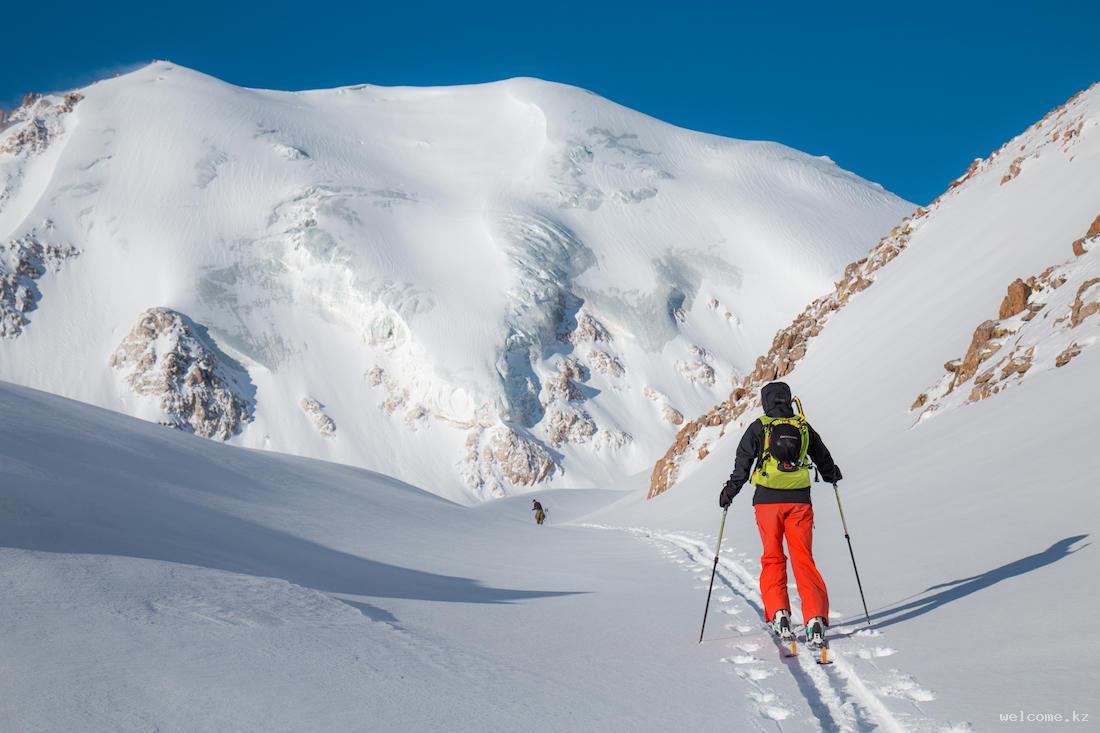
(782,463)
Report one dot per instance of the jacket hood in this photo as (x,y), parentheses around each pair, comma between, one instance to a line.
(775,398)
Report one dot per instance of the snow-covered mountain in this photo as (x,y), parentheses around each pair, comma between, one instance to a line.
(475,289)
(952,372)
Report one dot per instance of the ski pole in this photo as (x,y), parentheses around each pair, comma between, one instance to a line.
(713,570)
(850,552)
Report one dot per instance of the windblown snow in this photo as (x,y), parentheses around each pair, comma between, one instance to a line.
(475,289)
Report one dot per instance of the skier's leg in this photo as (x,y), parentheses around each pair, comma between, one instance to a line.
(799,530)
(773,563)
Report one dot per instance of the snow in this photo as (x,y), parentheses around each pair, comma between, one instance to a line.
(452,237)
(972,529)
(145,568)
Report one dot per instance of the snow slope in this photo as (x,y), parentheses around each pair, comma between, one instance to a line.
(475,289)
(156,580)
(969,494)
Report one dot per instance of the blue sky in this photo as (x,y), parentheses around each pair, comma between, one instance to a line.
(905,94)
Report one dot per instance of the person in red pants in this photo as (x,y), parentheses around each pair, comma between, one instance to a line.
(776,448)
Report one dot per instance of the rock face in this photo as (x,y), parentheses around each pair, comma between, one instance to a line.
(1003,352)
(23,262)
(1028,352)
(1080,246)
(499,456)
(316,413)
(170,358)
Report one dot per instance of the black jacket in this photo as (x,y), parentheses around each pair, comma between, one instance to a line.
(776,400)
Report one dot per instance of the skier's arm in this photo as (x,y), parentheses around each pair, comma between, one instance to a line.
(822,458)
(747,451)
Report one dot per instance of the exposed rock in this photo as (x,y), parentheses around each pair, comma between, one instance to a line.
(30,128)
(169,357)
(588,330)
(1070,352)
(699,369)
(1013,170)
(375,376)
(1081,245)
(563,385)
(1016,300)
(613,439)
(982,346)
(671,414)
(1086,303)
(606,363)
(23,262)
(568,424)
(499,456)
(416,416)
(316,412)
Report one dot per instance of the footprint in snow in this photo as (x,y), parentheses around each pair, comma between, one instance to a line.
(768,706)
(868,632)
(725,599)
(743,629)
(878,651)
(905,687)
(740,659)
(755,674)
(731,611)
(748,647)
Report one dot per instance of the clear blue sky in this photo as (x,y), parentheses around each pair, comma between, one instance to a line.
(905,94)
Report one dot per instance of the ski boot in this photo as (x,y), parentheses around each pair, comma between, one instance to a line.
(783,633)
(815,639)
(781,624)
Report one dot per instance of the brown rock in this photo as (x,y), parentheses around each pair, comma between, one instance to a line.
(1064,358)
(980,350)
(1079,247)
(1082,307)
(1016,300)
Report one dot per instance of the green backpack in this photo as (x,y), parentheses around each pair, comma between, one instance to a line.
(783,464)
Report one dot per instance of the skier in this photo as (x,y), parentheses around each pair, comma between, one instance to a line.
(540,513)
(778,443)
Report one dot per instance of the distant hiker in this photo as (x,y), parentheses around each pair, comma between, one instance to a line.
(540,513)
(775,446)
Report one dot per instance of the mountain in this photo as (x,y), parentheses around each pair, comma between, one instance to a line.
(952,373)
(475,289)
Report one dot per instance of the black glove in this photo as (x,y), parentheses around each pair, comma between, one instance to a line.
(725,498)
(836,475)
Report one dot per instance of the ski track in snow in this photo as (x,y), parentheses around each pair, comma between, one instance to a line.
(837,696)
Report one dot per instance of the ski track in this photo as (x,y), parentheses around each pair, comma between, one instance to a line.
(836,695)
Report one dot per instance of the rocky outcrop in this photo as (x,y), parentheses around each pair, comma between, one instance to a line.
(23,261)
(790,344)
(498,457)
(29,129)
(1080,246)
(316,413)
(698,369)
(1016,299)
(568,424)
(588,330)
(171,359)
(668,412)
(604,363)
(1003,352)
(563,385)
(1086,302)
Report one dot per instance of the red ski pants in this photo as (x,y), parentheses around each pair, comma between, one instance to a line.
(795,522)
